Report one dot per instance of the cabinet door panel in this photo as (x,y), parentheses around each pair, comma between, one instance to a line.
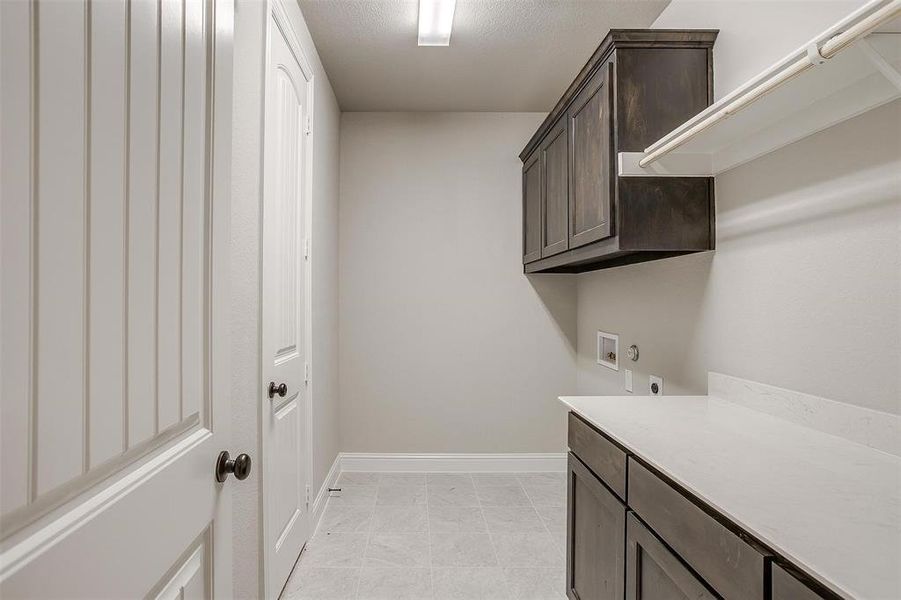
(596,529)
(787,587)
(531,209)
(591,183)
(555,200)
(655,573)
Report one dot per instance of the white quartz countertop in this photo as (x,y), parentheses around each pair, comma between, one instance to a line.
(831,506)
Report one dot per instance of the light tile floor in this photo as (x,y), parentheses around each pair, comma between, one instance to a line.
(438,536)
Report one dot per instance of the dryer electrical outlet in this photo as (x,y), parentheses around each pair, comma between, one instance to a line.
(655,386)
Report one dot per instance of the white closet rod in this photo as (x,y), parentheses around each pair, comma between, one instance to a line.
(829,49)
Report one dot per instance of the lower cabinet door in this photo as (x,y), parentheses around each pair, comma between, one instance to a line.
(653,572)
(787,587)
(596,531)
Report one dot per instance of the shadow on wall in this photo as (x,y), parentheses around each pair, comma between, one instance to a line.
(557,292)
(800,194)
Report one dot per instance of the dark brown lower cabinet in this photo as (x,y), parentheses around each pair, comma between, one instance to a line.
(787,587)
(726,561)
(596,530)
(634,534)
(653,572)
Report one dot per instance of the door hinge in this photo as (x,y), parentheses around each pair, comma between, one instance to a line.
(306,373)
(306,248)
(308,496)
(309,124)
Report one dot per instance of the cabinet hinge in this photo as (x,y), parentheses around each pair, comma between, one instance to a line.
(306,248)
(306,373)
(308,496)
(309,124)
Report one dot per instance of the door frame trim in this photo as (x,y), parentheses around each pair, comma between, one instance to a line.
(277,14)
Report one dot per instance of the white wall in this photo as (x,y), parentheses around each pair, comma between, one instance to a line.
(804,289)
(250,23)
(445,346)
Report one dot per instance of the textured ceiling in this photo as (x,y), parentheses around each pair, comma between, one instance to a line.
(504,55)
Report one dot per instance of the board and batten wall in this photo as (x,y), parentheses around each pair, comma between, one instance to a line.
(804,288)
(246,245)
(444,344)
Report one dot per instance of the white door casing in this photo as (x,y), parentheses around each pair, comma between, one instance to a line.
(115,158)
(285,299)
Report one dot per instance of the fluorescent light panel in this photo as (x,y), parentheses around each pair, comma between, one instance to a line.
(436,18)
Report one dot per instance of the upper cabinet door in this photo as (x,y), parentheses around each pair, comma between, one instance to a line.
(591,140)
(555,200)
(531,209)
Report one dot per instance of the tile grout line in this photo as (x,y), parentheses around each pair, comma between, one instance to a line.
(428,529)
(375,501)
(540,518)
(535,508)
(504,569)
(490,537)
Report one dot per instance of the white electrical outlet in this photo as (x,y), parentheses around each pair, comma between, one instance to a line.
(655,386)
(628,382)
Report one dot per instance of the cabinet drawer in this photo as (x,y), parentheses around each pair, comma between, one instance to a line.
(787,587)
(725,561)
(600,454)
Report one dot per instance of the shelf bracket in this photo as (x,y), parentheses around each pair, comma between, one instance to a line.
(813,54)
(882,65)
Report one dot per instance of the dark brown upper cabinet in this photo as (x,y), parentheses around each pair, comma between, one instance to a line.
(590,202)
(531,209)
(555,191)
(638,86)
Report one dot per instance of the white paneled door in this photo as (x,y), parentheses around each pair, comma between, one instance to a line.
(285,292)
(115,156)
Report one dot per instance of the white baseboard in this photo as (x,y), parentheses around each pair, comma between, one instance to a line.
(465,463)
(322,497)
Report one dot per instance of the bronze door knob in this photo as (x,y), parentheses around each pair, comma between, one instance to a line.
(281,389)
(239,466)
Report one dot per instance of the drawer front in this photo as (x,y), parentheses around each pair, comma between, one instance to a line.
(787,587)
(600,454)
(725,561)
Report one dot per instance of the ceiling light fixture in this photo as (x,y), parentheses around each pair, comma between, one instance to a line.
(436,18)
